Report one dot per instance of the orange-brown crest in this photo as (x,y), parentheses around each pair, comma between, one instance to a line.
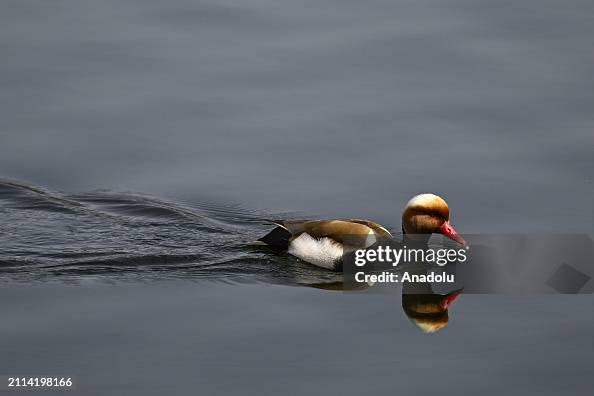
(424,214)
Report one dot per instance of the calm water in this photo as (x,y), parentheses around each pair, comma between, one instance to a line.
(143,143)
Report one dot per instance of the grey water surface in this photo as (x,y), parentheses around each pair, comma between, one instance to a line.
(143,144)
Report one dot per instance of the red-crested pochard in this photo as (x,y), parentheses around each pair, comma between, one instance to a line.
(320,242)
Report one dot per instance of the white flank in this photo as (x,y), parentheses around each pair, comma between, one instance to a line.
(323,252)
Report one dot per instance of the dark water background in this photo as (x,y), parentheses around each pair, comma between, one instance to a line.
(147,140)
(107,236)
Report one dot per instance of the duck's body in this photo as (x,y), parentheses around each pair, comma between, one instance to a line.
(322,242)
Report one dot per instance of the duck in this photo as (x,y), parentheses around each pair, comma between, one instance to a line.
(323,242)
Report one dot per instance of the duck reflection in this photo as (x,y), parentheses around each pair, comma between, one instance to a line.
(426,309)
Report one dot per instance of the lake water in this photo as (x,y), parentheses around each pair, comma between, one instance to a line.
(143,143)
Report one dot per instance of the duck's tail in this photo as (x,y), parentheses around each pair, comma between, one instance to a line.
(277,239)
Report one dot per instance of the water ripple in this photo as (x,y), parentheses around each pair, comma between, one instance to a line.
(45,235)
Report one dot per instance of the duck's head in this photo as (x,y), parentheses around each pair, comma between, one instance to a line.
(426,214)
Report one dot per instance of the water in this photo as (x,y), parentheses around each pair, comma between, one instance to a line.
(143,143)
(101,235)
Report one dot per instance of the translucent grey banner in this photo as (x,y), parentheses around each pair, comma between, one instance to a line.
(490,264)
